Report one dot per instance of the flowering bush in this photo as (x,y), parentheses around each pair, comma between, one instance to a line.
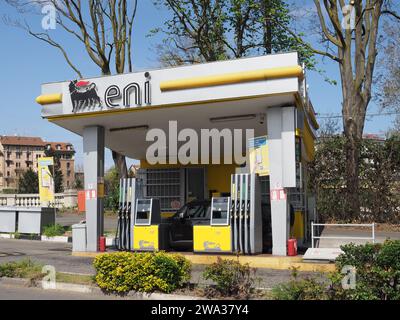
(145,272)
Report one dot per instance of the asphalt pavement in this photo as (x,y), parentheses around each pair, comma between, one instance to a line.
(68,219)
(8,292)
(59,256)
(46,253)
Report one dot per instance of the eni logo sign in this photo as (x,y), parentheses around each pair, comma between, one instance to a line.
(84,95)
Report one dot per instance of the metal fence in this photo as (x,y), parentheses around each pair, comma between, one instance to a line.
(165,185)
(313,236)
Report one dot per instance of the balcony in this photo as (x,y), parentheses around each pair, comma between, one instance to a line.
(9,161)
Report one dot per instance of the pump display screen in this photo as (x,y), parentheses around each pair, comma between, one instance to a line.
(143,212)
(144,215)
(220,211)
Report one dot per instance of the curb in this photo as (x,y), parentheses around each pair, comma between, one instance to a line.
(259,262)
(58,239)
(6,236)
(78,288)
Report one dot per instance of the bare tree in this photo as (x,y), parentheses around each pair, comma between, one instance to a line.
(104,27)
(388,82)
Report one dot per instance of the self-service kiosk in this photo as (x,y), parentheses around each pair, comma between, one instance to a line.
(236,221)
(148,232)
(217,236)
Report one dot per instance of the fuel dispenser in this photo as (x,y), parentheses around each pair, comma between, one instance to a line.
(216,237)
(149,233)
(129,190)
(236,222)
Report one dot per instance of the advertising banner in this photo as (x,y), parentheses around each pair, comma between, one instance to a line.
(258,153)
(46,181)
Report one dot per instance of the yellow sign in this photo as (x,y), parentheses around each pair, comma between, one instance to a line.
(212,239)
(46,181)
(258,153)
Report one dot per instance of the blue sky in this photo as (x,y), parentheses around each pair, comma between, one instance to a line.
(26,63)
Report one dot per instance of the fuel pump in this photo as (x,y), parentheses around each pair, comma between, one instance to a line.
(216,237)
(129,190)
(236,222)
(149,233)
(246,217)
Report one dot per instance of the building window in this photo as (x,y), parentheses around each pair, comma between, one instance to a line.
(8,173)
(68,165)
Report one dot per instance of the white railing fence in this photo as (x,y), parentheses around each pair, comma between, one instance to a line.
(314,237)
(68,199)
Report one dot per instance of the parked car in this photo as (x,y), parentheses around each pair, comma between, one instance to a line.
(181,223)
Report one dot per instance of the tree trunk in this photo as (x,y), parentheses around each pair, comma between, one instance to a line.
(353,124)
(267,36)
(352,152)
(120,164)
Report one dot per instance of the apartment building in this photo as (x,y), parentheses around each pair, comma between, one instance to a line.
(65,152)
(18,154)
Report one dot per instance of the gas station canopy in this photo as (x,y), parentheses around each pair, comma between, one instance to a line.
(217,95)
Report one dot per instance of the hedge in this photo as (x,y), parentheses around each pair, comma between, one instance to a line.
(144,272)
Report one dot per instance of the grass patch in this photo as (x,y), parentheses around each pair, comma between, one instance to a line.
(54,230)
(74,278)
(26,269)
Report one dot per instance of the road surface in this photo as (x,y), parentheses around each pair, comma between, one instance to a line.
(59,256)
(8,292)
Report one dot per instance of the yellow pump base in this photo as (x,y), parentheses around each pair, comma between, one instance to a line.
(145,238)
(212,239)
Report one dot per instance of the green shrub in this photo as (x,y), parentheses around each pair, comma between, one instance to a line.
(9,191)
(377,269)
(54,230)
(20,269)
(300,289)
(145,272)
(17,235)
(231,278)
